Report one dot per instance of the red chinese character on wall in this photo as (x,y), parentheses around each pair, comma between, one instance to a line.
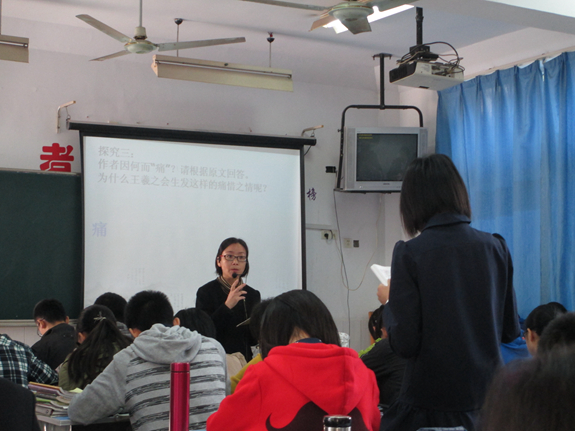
(58,158)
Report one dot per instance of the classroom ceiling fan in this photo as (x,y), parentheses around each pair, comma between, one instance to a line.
(139,43)
(353,14)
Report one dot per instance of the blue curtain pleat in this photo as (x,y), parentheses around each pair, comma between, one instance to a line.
(510,134)
(558,182)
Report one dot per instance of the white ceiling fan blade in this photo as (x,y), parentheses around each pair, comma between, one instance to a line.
(388,4)
(107,57)
(104,28)
(289,4)
(323,20)
(198,43)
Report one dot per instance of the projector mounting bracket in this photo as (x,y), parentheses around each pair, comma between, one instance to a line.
(382,106)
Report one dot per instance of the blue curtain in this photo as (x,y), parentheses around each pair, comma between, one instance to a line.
(512,136)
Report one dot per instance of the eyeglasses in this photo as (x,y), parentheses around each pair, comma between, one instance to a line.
(231,257)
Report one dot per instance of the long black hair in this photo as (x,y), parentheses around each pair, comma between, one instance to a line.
(103,340)
(292,311)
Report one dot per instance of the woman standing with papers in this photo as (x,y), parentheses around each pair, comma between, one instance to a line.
(228,300)
(451,302)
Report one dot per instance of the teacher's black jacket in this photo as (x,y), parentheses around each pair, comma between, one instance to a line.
(211,298)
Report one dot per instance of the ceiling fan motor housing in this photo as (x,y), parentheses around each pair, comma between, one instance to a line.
(140,46)
(351,11)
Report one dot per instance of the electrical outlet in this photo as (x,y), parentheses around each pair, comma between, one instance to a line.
(347,242)
(356,243)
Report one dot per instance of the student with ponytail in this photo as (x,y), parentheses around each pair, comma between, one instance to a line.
(99,339)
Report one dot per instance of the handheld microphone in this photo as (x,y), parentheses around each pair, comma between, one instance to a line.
(234,276)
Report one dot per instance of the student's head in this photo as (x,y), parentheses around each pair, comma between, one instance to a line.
(114,302)
(196,320)
(147,308)
(256,317)
(49,313)
(534,394)
(432,185)
(375,324)
(560,308)
(559,334)
(294,315)
(91,317)
(536,323)
(99,339)
(232,248)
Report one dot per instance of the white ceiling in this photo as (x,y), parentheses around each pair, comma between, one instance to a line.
(320,54)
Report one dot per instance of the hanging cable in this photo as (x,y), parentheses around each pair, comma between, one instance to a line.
(270,40)
(178,21)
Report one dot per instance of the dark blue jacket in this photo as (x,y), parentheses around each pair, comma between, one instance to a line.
(451,305)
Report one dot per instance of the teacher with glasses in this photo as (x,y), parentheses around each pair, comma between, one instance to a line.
(228,300)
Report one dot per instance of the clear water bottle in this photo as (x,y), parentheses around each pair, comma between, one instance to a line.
(337,423)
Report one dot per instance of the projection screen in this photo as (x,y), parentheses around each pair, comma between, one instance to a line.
(155,212)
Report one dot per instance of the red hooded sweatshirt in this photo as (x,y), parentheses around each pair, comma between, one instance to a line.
(295,386)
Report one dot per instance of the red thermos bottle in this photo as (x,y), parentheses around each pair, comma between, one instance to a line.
(180,396)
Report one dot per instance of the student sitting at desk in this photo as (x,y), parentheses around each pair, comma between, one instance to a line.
(100,339)
(19,364)
(137,381)
(538,320)
(58,337)
(533,394)
(305,374)
(386,365)
(559,334)
(117,304)
(18,407)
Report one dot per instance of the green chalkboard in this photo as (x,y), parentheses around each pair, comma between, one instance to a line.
(40,241)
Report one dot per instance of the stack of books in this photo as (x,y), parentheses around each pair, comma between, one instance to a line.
(52,400)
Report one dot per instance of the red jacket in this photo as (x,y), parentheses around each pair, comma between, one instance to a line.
(295,386)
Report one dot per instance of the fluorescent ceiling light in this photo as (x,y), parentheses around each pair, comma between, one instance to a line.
(215,72)
(376,15)
(14,48)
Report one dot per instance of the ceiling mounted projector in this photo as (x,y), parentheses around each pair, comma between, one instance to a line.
(424,74)
(420,67)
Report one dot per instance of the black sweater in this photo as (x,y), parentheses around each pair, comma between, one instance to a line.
(211,298)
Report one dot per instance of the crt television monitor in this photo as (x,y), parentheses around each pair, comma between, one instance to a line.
(376,157)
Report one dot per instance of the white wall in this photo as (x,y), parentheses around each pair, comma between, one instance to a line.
(126,91)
